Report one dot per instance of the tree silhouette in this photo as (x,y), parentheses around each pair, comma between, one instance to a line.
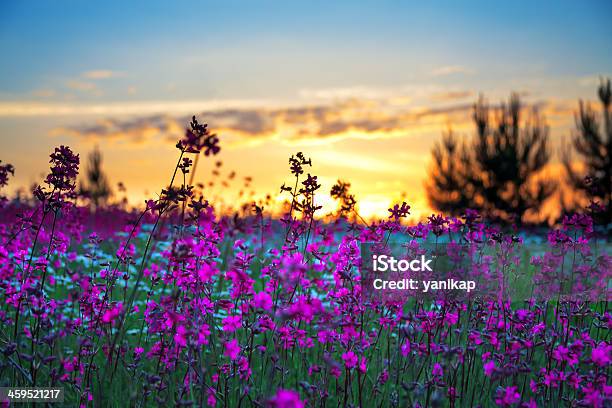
(446,188)
(593,143)
(96,187)
(498,171)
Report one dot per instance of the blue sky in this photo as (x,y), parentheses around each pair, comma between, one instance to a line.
(365,87)
(273,49)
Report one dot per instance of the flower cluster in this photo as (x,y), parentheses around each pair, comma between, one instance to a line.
(198,138)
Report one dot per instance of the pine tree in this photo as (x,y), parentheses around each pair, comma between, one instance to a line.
(498,171)
(593,144)
(446,188)
(96,187)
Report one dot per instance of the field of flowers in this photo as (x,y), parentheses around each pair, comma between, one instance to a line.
(174,305)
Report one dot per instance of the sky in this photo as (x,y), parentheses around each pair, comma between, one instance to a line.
(363,88)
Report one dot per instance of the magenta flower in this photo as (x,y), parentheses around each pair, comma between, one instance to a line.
(232,349)
(489,368)
(601,354)
(262,300)
(180,338)
(203,334)
(437,371)
(363,366)
(110,315)
(507,396)
(350,359)
(211,400)
(405,348)
(232,323)
(530,404)
(286,399)
(592,397)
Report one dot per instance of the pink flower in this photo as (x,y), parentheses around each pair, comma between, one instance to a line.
(350,359)
(489,368)
(562,353)
(262,300)
(601,354)
(203,334)
(474,337)
(180,337)
(362,365)
(494,340)
(232,323)
(111,314)
(530,404)
(286,399)
(232,349)
(325,336)
(244,368)
(437,371)
(405,349)
(592,397)
(507,396)
(538,328)
(211,400)
(451,318)
(335,371)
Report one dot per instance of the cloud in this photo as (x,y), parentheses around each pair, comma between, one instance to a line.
(101,74)
(44,93)
(242,122)
(450,70)
(297,124)
(361,92)
(88,81)
(310,123)
(82,86)
(451,96)
(136,130)
(140,108)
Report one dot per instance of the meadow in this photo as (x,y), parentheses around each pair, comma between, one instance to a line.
(176,305)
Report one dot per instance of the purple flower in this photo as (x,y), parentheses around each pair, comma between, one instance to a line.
(398,211)
(507,396)
(601,354)
(489,368)
(232,323)
(262,300)
(232,349)
(286,399)
(350,359)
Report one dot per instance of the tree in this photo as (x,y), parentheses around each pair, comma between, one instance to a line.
(497,171)
(96,187)
(446,188)
(593,144)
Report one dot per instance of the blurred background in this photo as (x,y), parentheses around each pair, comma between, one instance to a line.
(380,94)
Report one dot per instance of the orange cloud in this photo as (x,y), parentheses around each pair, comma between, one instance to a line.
(101,74)
(450,70)
(302,123)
